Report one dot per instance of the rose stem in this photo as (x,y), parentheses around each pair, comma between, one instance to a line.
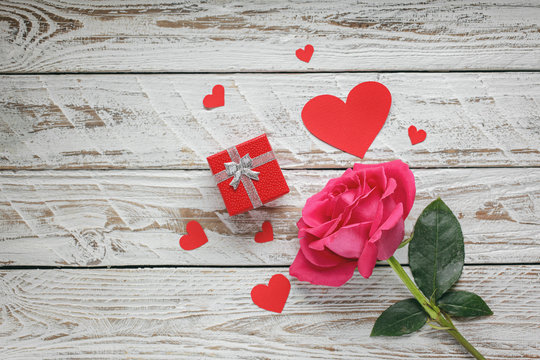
(431,309)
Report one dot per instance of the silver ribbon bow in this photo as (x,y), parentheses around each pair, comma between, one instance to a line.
(243,167)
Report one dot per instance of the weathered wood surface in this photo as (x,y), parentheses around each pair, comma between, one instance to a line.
(97,36)
(179,313)
(140,126)
(158,121)
(87,218)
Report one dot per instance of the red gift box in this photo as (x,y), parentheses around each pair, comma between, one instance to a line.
(248,175)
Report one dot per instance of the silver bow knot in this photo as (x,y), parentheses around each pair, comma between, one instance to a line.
(242,168)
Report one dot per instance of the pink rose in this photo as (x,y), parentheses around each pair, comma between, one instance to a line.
(355,220)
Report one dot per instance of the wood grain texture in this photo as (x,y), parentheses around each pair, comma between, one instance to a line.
(124,170)
(91,218)
(213,36)
(207,313)
(158,121)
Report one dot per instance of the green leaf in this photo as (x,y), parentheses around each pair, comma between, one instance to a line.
(464,303)
(436,254)
(404,317)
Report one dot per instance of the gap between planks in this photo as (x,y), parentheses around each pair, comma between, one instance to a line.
(142,266)
(314,72)
(509,167)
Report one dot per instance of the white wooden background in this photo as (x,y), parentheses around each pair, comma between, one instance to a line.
(103,141)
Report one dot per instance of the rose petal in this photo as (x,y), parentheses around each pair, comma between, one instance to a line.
(377,218)
(323,229)
(301,225)
(388,205)
(406,188)
(343,201)
(348,211)
(349,240)
(350,179)
(390,240)
(337,190)
(392,234)
(314,212)
(375,177)
(303,270)
(367,260)
(393,218)
(365,208)
(321,258)
(317,244)
(392,184)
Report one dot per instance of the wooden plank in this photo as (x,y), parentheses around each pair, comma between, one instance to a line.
(87,218)
(56,36)
(158,121)
(179,313)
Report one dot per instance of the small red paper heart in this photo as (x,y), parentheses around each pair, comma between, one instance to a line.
(267,233)
(416,136)
(305,53)
(216,99)
(272,297)
(195,236)
(353,125)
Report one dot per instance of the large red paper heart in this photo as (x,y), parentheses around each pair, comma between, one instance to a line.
(353,125)
(195,236)
(305,53)
(272,297)
(267,233)
(216,99)
(416,136)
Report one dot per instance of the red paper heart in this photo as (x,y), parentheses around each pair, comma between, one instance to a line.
(195,236)
(272,297)
(216,99)
(305,53)
(350,126)
(267,233)
(416,136)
